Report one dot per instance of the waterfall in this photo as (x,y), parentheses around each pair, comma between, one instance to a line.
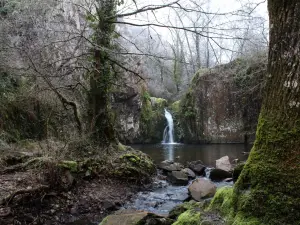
(169,130)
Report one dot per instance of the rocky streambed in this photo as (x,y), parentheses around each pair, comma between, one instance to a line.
(176,187)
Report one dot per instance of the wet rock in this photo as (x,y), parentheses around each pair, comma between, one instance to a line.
(197,167)
(126,217)
(224,164)
(229,179)
(170,166)
(237,171)
(153,219)
(108,205)
(219,175)
(178,178)
(189,172)
(202,188)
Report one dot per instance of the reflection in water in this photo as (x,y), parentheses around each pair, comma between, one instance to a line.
(168,151)
(207,153)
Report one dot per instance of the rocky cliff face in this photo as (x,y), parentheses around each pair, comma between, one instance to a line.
(139,118)
(223,103)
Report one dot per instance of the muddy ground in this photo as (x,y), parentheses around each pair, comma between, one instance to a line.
(87,202)
(27,198)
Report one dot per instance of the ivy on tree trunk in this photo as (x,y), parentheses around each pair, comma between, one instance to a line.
(101,80)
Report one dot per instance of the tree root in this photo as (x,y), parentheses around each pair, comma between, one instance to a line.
(21,166)
(8,199)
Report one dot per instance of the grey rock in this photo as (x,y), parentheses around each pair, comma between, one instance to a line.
(178,178)
(224,164)
(170,166)
(219,175)
(197,167)
(202,188)
(189,172)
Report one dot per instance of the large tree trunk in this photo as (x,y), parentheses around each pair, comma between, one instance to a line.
(269,186)
(101,79)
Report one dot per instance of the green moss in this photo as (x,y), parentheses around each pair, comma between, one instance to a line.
(190,121)
(237,171)
(132,166)
(159,103)
(176,106)
(104,221)
(121,147)
(187,106)
(267,190)
(152,121)
(222,201)
(70,165)
(191,205)
(240,219)
(268,187)
(189,217)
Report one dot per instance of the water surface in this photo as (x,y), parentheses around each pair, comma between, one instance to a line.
(207,153)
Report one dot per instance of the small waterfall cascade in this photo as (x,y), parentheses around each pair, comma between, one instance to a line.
(168,137)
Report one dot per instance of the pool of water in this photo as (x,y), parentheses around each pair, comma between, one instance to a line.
(207,153)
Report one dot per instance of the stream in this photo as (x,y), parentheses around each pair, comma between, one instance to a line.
(163,196)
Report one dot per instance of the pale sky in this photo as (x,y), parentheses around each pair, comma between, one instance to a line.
(228,25)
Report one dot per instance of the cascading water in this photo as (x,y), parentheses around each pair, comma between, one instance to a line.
(169,130)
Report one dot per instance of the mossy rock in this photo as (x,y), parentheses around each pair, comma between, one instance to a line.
(154,219)
(191,205)
(189,217)
(132,165)
(72,166)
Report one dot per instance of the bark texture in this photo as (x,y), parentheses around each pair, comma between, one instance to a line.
(268,188)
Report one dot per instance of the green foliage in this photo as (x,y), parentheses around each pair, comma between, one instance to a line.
(187,106)
(146,113)
(188,117)
(152,121)
(175,107)
(24,115)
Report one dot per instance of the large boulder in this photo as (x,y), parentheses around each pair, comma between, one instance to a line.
(224,164)
(197,167)
(202,188)
(189,172)
(178,178)
(170,166)
(219,175)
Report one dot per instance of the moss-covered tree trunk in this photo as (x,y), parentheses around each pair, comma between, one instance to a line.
(101,79)
(269,186)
